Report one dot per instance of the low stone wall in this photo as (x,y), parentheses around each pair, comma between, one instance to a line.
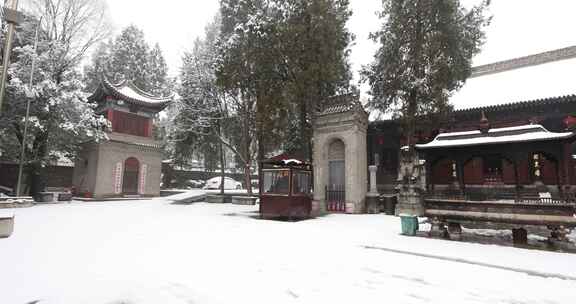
(244,200)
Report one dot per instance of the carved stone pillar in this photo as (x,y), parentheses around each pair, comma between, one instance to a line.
(372,197)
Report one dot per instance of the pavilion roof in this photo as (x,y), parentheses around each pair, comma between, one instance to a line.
(128,92)
(509,135)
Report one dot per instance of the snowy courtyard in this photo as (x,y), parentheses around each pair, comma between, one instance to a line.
(138,252)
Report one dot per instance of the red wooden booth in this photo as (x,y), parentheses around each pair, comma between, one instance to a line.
(285,188)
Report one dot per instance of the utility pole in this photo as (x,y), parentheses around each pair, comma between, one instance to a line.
(12,17)
(28,99)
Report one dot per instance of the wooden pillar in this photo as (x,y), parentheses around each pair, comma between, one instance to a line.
(561,165)
(428,168)
(110,115)
(568,165)
(460,174)
(558,175)
(149,123)
(516,178)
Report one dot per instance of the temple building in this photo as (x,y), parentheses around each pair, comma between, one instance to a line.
(510,136)
(129,162)
(524,97)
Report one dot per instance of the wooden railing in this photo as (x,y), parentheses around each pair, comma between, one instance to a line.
(509,195)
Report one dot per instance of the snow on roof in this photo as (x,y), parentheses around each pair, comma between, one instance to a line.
(291,161)
(528,83)
(129,90)
(130,93)
(524,133)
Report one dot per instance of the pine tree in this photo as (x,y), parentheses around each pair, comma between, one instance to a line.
(158,72)
(316,46)
(251,67)
(425,54)
(100,63)
(129,58)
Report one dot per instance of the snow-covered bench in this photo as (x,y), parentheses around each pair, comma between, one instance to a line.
(557,216)
(6,225)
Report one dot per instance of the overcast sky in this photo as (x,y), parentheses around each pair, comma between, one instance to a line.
(519,27)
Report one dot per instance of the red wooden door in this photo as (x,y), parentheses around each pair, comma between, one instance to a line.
(130,181)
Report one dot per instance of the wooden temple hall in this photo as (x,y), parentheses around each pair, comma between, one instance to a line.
(507,150)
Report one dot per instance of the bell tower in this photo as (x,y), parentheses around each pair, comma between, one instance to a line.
(129,162)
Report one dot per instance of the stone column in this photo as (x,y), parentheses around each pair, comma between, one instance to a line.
(373,188)
(372,197)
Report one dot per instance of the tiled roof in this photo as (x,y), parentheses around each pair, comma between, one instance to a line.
(531,83)
(130,93)
(511,106)
(525,61)
(340,104)
(525,133)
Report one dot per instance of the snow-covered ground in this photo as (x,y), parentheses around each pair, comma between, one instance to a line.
(156,252)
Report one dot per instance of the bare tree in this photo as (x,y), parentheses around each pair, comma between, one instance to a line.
(76,24)
(62,118)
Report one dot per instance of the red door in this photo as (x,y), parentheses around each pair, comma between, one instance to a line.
(130,181)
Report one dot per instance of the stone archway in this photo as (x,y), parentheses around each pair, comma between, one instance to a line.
(131,174)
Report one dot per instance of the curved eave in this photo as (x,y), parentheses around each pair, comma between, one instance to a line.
(158,104)
(436,144)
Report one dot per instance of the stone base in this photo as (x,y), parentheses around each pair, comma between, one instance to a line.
(373,204)
(6,226)
(410,202)
(215,199)
(355,208)
(318,208)
(244,200)
(409,209)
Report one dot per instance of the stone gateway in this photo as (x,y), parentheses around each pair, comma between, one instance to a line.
(339,160)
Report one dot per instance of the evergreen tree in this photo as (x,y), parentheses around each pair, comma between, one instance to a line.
(158,72)
(129,58)
(251,67)
(285,57)
(202,114)
(316,47)
(425,54)
(100,63)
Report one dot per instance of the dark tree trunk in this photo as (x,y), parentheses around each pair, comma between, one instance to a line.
(36,172)
(222,159)
(247,142)
(304,131)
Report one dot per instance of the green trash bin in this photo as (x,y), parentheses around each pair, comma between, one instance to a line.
(409,224)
